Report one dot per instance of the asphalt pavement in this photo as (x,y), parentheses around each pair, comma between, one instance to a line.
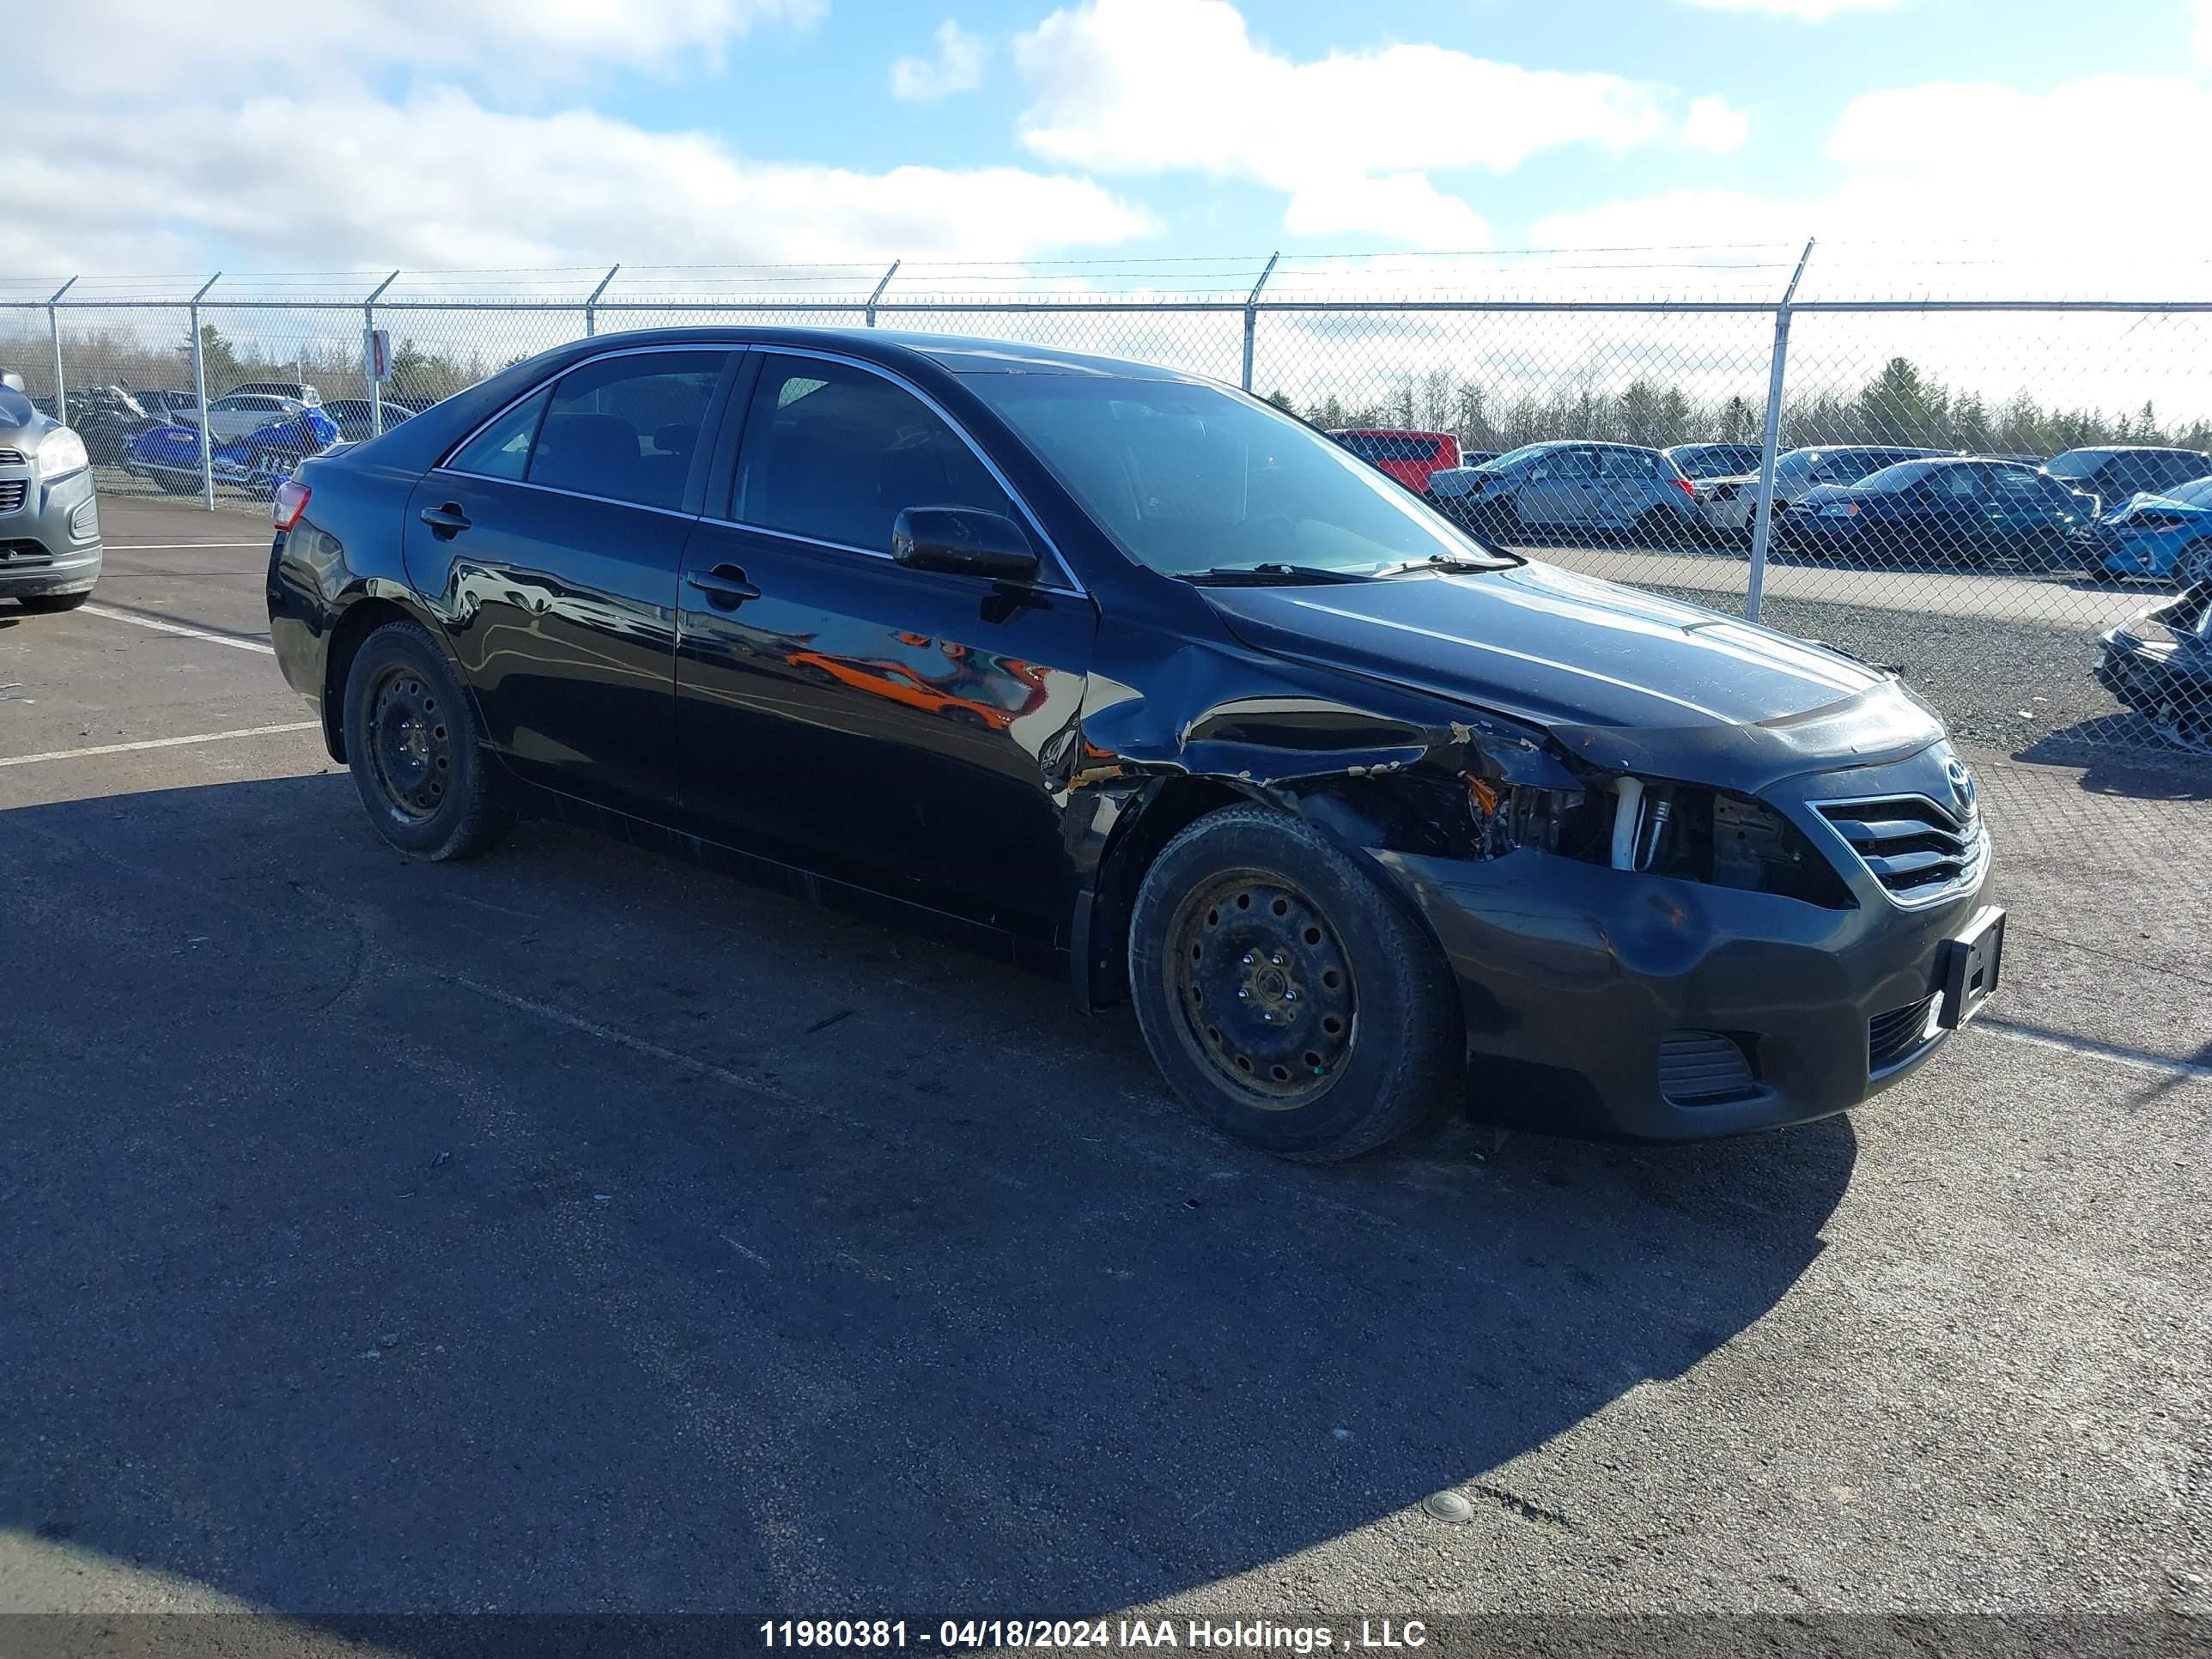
(577,1231)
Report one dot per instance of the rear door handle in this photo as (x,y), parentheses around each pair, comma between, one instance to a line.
(725,587)
(447,521)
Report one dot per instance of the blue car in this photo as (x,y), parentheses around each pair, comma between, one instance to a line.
(258,462)
(2163,535)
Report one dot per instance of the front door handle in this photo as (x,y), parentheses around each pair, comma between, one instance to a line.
(447,521)
(725,587)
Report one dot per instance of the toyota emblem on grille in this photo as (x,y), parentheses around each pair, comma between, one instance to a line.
(1963,795)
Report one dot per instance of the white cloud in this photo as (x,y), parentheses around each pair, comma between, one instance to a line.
(1809,11)
(957,67)
(1146,87)
(350,180)
(1714,125)
(1404,207)
(165,152)
(1155,86)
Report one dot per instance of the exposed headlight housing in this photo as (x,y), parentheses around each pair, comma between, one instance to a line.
(1659,828)
(60,454)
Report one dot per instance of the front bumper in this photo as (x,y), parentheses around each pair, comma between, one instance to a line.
(1582,986)
(2130,556)
(49,544)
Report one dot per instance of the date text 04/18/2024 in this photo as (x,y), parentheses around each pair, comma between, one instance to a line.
(1205,1635)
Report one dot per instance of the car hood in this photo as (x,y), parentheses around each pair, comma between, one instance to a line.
(2138,504)
(1621,677)
(21,422)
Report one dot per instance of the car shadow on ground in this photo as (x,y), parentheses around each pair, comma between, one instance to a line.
(2124,755)
(578,1230)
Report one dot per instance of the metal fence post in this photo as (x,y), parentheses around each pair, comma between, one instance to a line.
(879,294)
(1252,315)
(1763,515)
(199,393)
(54,333)
(369,356)
(591,306)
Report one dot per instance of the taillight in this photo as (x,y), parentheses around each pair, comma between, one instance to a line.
(289,502)
(1686,488)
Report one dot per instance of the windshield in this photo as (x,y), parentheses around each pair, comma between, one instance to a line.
(1193,479)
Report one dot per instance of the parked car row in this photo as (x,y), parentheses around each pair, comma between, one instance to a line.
(2119,510)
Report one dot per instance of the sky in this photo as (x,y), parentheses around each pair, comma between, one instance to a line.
(350,135)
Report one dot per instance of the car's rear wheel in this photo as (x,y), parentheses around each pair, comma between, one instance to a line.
(1657,527)
(411,742)
(43,603)
(1286,997)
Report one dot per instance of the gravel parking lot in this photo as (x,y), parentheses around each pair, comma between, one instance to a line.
(577,1231)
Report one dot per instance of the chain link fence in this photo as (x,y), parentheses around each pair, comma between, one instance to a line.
(1978,492)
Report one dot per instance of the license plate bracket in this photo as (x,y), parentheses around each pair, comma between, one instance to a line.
(1969,968)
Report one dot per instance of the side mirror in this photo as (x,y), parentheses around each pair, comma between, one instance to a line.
(10,380)
(1537,474)
(963,541)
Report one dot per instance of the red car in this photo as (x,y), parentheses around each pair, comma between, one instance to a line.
(1408,456)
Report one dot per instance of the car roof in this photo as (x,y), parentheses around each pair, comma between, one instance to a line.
(957,354)
(2127,449)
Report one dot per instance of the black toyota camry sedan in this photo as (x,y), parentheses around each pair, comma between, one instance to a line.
(1138,679)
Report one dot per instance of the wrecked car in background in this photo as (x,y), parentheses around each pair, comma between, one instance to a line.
(2159,663)
(1131,676)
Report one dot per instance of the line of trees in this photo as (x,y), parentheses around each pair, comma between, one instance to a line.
(136,360)
(1902,405)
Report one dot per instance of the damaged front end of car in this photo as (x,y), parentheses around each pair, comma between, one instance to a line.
(1655,933)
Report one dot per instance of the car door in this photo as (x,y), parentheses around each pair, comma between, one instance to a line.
(891,727)
(552,539)
(1560,484)
(1958,525)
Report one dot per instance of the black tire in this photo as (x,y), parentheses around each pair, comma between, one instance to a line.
(412,744)
(1280,1077)
(46,604)
(1657,527)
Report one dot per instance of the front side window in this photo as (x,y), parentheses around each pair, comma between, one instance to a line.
(1959,482)
(627,427)
(1190,479)
(836,453)
(502,450)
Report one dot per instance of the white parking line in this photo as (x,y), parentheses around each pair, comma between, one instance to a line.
(159,743)
(179,628)
(2109,1054)
(170,547)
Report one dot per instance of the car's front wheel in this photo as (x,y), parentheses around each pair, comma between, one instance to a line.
(411,742)
(1286,997)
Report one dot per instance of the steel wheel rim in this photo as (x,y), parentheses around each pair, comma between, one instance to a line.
(411,744)
(1265,1000)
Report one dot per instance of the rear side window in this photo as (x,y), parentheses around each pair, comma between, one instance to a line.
(1632,464)
(502,450)
(1377,446)
(627,428)
(837,453)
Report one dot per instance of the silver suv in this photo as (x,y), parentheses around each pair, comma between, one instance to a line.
(50,545)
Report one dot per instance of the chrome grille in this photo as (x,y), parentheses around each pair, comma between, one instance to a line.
(1896,1035)
(14,458)
(1703,1068)
(12,491)
(1914,847)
